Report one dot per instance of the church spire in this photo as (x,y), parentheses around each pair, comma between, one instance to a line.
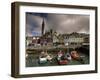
(43,25)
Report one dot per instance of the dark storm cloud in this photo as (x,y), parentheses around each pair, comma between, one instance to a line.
(38,14)
(33,23)
(61,23)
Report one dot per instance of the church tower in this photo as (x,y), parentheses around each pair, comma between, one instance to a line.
(43,26)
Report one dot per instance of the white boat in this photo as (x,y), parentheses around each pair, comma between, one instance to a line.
(68,56)
(42,60)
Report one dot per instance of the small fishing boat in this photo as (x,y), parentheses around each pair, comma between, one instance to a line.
(61,59)
(45,57)
(42,60)
(75,55)
(68,56)
(42,57)
(49,58)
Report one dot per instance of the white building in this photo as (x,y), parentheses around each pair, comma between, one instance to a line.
(75,39)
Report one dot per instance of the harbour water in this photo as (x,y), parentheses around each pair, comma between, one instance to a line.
(32,60)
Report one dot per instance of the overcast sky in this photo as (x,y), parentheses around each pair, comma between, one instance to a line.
(62,23)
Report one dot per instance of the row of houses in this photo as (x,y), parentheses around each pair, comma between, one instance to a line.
(53,38)
(76,38)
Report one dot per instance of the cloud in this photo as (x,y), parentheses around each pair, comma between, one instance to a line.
(33,23)
(69,23)
(62,23)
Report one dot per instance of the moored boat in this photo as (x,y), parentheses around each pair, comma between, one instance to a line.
(61,58)
(75,55)
(45,57)
(68,56)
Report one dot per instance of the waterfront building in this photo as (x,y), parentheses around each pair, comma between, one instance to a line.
(76,39)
